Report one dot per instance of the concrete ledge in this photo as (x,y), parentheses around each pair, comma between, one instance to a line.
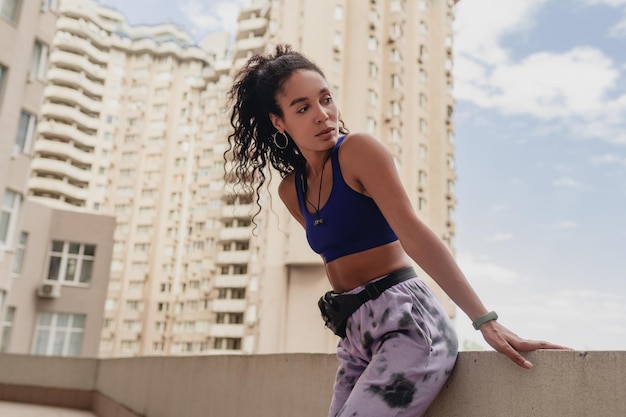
(103,406)
(56,397)
(562,383)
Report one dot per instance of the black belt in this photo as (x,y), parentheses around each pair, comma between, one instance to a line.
(337,308)
(373,290)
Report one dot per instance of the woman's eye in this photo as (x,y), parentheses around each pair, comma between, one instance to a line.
(302,109)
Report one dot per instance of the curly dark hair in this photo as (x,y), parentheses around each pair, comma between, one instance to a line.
(253,98)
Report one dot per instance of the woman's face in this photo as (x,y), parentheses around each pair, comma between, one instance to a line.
(310,115)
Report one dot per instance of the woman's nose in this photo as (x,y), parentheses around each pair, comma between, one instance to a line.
(322,115)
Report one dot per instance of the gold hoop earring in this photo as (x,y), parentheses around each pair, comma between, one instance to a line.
(283,147)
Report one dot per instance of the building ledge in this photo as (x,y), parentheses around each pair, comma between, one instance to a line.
(562,383)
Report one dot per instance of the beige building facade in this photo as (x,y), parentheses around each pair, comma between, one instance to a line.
(53,264)
(24,26)
(133,126)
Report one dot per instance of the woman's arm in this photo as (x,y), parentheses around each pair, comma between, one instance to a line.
(368,164)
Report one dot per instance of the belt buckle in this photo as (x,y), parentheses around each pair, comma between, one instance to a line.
(372,290)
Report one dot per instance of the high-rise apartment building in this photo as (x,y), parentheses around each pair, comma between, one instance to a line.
(119,135)
(133,125)
(53,264)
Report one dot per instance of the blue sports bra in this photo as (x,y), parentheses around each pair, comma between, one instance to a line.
(352,221)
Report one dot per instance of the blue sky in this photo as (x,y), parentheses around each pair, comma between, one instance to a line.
(541,158)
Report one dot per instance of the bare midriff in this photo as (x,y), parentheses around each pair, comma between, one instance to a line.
(351,271)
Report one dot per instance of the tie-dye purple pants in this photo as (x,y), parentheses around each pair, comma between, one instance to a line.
(398,352)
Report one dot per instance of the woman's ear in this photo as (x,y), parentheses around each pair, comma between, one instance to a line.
(276,121)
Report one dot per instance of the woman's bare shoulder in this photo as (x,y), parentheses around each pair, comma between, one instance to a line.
(287,185)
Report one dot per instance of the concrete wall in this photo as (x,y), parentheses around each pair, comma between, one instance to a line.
(563,383)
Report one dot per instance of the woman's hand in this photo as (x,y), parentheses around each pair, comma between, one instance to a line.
(508,343)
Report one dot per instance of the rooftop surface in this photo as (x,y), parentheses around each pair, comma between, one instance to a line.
(9,409)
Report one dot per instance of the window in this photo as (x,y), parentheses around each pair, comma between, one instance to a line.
(396,81)
(450,161)
(3,72)
(451,187)
(338,12)
(8,216)
(7,328)
(228,343)
(422,178)
(423,125)
(8,9)
(372,43)
(422,151)
(129,346)
(19,253)
(71,262)
(370,125)
(373,70)
(59,334)
(229,318)
(238,293)
(25,132)
(51,5)
(39,61)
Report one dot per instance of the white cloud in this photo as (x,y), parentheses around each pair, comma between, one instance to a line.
(482,23)
(482,270)
(565,225)
(498,208)
(580,319)
(208,16)
(612,3)
(500,237)
(618,30)
(608,159)
(545,85)
(565,182)
(573,90)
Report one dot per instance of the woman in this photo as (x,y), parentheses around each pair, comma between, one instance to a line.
(397,345)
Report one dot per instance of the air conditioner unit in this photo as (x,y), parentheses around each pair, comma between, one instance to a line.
(49,290)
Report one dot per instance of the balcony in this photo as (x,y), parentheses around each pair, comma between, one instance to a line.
(256,25)
(235,233)
(64,149)
(80,45)
(227,330)
(234,281)
(254,45)
(78,27)
(66,131)
(562,384)
(70,114)
(240,211)
(78,62)
(75,79)
(229,305)
(55,186)
(233,257)
(60,168)
(72,96)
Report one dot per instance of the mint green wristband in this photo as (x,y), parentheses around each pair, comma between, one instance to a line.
(492,315)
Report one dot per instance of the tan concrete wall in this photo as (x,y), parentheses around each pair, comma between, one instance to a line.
(46,371)
(229,386)
(572,384)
